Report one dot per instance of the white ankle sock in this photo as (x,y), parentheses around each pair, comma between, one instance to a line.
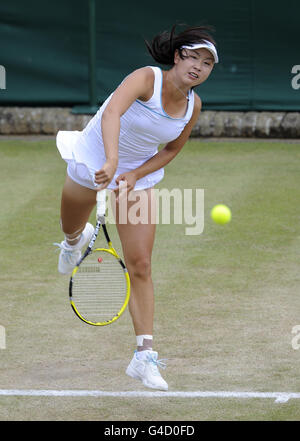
(74,239)
(144,342)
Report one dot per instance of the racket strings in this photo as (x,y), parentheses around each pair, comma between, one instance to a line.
(99,289)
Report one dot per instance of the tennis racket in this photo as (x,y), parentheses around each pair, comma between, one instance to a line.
(99,286)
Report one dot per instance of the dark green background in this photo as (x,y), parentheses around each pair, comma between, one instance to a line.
(44,49)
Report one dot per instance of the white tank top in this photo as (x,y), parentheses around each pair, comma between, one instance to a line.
(144,126)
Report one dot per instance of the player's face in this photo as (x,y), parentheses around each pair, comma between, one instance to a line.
(196,66)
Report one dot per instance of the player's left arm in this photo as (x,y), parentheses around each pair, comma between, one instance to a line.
(165,155)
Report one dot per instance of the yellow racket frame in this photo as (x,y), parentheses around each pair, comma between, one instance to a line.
(113,252)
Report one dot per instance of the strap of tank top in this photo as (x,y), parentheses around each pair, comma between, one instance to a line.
(155,99)
(190,110)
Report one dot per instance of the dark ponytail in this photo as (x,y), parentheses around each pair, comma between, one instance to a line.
(163,45)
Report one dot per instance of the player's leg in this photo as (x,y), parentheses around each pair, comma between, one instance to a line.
(77,202)
(137,243)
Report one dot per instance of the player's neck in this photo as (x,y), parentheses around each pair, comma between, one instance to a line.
(177,89)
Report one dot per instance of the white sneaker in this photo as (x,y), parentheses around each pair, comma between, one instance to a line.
(144,366)
(70,255)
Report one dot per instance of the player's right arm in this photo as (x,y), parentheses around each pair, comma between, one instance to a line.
(139,84)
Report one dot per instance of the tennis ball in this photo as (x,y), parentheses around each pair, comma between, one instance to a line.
(221,214)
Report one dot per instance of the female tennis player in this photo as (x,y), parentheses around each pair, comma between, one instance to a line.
(120,146)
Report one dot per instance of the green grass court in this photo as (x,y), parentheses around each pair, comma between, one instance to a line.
(226,300)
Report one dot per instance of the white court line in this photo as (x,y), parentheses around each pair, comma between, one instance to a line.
(279,397)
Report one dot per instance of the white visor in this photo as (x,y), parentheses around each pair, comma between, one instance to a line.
(206,45)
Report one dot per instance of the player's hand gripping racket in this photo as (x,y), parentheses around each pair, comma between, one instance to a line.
(99,287)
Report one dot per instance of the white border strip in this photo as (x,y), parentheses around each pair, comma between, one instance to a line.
(279,397)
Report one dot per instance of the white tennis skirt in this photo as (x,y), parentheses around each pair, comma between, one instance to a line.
(81,167)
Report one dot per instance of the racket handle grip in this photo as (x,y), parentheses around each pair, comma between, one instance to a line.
(101,203)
